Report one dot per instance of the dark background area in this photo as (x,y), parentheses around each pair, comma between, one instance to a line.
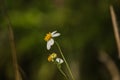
(85,27)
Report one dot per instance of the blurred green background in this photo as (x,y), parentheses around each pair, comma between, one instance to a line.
(85,27)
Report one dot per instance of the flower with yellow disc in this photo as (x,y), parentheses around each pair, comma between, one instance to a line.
(49,38)
(52,57)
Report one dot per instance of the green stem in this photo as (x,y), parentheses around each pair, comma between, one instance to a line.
(62,72)
(65,61)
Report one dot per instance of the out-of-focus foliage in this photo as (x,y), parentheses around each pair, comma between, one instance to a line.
(85,27)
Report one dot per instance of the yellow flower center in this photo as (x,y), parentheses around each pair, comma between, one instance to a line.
(48,36)
(52,57)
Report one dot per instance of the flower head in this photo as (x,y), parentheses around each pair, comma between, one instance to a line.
(52,57)
(59,60)
(49,38)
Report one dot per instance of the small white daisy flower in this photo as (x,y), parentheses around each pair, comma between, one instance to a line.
(59,60)
(49,38)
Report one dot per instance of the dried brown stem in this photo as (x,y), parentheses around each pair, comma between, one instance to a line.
(11,39)
(13,49)
(115,27)
(110,65)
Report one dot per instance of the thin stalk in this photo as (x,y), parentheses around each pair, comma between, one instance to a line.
(62,72)
(65,61)
(14,56)
(115,28)
(11,40)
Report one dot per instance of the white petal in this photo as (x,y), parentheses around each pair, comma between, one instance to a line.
(48,46)
(56,35)
(59,60)
(50,43)
(53,32)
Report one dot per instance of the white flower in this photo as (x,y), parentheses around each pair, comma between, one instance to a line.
(49,38)
(59,60)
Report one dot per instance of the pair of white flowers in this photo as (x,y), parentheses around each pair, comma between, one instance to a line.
(49,38)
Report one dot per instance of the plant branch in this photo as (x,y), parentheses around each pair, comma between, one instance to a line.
(59,67)
(65,61)
(11,40)
(115,27)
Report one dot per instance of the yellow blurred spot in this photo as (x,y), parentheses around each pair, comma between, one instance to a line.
(52,57)
(48,36)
